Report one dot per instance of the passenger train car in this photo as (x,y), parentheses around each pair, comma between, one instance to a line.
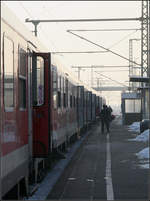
(42,104)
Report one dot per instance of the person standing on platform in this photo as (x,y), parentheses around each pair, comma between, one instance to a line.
(110,109)
(105,117)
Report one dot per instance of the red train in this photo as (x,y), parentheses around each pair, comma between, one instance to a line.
(42,104)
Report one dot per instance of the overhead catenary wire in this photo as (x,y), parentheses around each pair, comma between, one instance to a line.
(90,52)
(43,31)
(112,71)
(100,66)
(122,39)
(107,51)
(48,13)
(111,79)
(57,52)
(26,10)
(36,22)
(79,52)
(136,29)
(89,20)
(115,53)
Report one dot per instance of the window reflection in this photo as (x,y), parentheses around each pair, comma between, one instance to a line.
(8,73)
(40,81)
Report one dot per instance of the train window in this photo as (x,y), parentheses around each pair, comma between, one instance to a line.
(55,100)
(59,83)
(64,101)
(54,81)
(59,99)
(8,73)
(70,100)
(62,91)
(55,89)
(22,93)
(62,84)
(74,101)
(22,78)
(66,85)
(40,81)
(22,62)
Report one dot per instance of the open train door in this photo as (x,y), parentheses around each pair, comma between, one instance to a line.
(41,96)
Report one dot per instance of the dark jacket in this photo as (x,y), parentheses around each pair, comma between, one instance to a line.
(105,114)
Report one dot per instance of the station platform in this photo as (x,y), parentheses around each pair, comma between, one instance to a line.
(99,167)
(85,176)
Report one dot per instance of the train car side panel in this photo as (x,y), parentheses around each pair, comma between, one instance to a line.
(14,137)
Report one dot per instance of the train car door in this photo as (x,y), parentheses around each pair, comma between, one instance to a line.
(41,93)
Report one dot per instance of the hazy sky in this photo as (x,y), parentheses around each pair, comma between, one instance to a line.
(56,37)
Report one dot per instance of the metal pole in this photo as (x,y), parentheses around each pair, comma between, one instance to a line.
(36,22)
(86,20)
(35,27)
(144,53)
(130,63)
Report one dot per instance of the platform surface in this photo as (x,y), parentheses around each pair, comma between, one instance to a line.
(84,178)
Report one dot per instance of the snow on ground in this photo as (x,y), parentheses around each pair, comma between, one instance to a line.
(145,166)
(134,127)
(144,154)
(144,157)
(143,137)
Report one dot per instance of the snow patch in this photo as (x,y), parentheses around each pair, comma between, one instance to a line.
(145,166)
(134,127)
(144,154)
(143,137)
